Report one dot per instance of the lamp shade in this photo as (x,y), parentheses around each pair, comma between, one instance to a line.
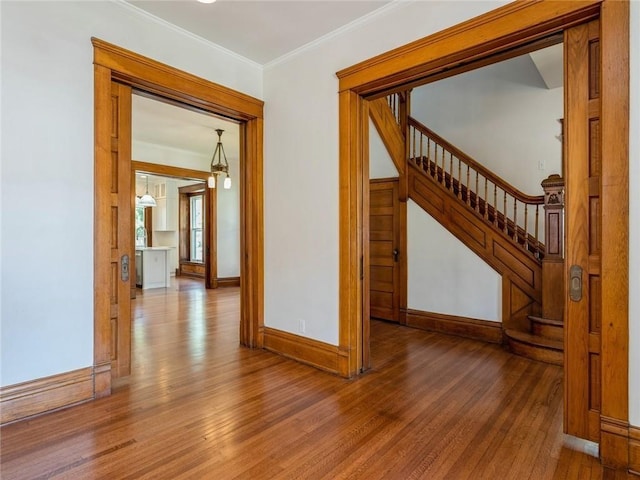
(227,182)
(146,201)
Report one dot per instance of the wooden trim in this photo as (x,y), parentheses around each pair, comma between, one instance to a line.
(228,281)
(193,189)
(192,272)
(614,121)
(169,171)
(634,450)
(352,110)
(114,63)
(302,349)
(506,27)
(210,237)
(389,131)
(34,397)
(102,231)
(155,77)
(614,442)
(473,328)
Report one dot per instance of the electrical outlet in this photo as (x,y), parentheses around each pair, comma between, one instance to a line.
(301,326)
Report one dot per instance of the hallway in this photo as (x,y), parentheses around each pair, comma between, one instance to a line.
(199,406)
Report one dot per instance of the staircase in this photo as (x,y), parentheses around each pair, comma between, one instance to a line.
(491,217)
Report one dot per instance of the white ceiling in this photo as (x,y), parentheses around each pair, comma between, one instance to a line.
(160,123)
(262,30)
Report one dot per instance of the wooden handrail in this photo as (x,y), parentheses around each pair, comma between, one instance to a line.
(513,213)
(466,159)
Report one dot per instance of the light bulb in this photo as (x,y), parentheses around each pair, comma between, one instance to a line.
(227,183)
(211,181)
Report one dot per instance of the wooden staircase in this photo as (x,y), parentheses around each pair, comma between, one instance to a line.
(495,220)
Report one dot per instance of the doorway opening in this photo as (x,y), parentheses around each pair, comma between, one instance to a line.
(117,73)
(490,122)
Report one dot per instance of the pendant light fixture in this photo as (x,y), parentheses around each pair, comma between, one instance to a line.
(217,167)
(146,200)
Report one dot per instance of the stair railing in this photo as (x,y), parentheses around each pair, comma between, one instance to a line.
(515,214)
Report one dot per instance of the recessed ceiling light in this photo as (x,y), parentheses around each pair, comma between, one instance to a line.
(206,1)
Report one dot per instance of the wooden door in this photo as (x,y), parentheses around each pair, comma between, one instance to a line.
(384,253)
(122,266)
(583,231)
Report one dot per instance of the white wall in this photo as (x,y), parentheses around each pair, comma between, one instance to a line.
(634,220)
(501,115)
(380,163)
(229,226)
(47,92)
(444,276)
(301,160)
(164,155)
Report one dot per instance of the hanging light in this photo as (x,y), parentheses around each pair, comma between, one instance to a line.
(217,167)
(146,200)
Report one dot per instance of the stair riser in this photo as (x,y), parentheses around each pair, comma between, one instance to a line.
(533,352)
(548,331)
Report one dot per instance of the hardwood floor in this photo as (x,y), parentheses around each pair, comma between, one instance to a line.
(199,406)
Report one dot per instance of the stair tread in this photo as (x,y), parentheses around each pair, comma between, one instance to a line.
(536,340)
(546,321)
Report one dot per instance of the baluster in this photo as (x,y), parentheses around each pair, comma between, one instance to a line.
(536,233)
(468,177)
(440,171)
(495,205)
(476,193)
(413,146)
(427,164)
(459,178)
(504,214)
(486,196)
(526,235)
(451,171)
(515,220)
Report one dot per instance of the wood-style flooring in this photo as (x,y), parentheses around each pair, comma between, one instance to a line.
(198,406)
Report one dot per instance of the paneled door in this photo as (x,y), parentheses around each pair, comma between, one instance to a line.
(121,274)
(384,245)
(583,231)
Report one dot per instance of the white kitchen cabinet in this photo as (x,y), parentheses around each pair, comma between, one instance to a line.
(152,266)
(165,213)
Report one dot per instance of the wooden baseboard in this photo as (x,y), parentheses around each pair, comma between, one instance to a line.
(229,282)
(305,350)
(634,450)
(30,398)
(453,325)
(614,442)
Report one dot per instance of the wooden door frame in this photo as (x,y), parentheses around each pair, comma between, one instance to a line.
(112,63)
(211,262)
(506,27)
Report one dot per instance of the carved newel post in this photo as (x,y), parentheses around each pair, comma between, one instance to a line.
(553,262)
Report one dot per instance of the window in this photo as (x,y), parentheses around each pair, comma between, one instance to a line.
(195,227)
(140,227)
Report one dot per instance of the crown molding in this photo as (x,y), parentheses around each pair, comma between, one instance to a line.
(143,13)
(339,31)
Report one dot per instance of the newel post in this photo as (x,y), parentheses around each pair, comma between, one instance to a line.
(553,262)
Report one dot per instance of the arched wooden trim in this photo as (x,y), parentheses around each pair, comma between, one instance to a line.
(115,63)
(510,26)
